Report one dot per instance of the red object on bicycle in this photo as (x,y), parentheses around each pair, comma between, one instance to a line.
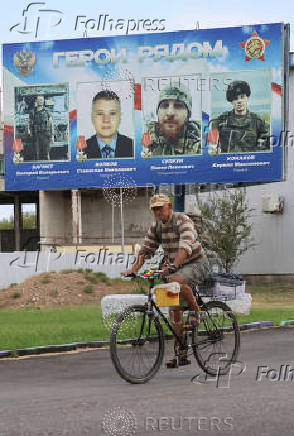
(81,143)
(17,145)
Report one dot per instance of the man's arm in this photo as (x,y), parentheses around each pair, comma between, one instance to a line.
(148,249)
(180,257)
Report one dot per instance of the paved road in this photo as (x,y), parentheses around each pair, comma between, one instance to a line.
(72,394)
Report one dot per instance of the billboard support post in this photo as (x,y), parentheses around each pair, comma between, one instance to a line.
(17,221)
(76,216)
(122,224)
(112,221)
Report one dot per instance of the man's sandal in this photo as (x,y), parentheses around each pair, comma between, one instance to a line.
(181,360)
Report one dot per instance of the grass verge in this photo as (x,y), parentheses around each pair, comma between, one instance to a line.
(269,314)
(24,328)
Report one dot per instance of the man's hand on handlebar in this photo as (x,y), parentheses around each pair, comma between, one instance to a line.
(129,272)
(167,269)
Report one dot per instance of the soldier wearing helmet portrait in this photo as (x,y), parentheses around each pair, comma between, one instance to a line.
(174,133)
(239,130)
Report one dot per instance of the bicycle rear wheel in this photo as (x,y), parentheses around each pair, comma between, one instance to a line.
(136,344)
(216,341)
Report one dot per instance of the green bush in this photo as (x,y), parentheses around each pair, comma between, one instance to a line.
(138,290)
(100,275)
(106,281)
(91,278)
(88,289)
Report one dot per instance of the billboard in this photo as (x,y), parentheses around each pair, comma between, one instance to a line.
(195,106)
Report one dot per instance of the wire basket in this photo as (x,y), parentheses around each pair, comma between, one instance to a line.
(222,287)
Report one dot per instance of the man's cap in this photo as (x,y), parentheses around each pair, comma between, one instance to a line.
(180,93)
(236,88)
(159,200)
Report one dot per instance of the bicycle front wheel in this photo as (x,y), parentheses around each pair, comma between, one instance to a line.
(216,341)
(136,344)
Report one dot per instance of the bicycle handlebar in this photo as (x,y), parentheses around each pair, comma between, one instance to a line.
(152,273)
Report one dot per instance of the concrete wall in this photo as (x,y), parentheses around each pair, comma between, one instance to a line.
(55,217)
(96,218)
(20,265)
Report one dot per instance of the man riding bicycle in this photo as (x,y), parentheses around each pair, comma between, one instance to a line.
(176,233)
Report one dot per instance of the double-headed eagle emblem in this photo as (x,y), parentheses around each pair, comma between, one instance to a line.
(24,62)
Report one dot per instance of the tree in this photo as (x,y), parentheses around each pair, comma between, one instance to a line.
(227,218)
(29,221)
(7,223)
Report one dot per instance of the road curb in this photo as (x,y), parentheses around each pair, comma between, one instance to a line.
(286,323)
(48,349)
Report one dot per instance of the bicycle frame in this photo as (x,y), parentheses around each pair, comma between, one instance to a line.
(151,305)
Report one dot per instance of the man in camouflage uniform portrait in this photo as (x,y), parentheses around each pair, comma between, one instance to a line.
(174,133)
(239,130)
(40,130)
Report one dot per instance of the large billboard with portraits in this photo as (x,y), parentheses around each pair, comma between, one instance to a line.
(193,106)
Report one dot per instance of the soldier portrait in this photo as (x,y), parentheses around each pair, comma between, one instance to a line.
(239,130)
(42,122)
(41,130)
(107,142)
(174,132)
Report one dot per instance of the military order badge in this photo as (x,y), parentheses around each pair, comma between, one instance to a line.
(24,62)
(254,47)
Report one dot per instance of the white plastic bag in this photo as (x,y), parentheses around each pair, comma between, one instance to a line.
(173,287)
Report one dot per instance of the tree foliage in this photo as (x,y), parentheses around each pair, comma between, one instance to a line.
(227,215)
(29,221)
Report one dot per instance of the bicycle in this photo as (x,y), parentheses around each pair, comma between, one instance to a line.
(137,337)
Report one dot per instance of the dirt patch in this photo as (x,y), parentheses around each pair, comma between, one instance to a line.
(62,289)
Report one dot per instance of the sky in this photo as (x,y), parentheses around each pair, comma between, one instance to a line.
(53,19)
